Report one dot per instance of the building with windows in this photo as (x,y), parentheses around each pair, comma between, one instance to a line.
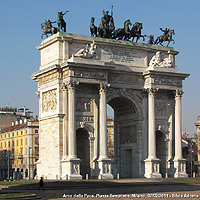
(9,114)
(19,150)
(110,136)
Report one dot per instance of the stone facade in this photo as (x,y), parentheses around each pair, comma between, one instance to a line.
(142,86)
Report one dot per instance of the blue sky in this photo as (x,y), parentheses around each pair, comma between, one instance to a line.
(21,32)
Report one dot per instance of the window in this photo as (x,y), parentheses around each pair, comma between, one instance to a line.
(26,141)
(21,142)
(9,144)
(1,136)
(5,144)
(5,135)
(36,131)
(21,132)
(36,140)
(17,133)
(8,134)
(13,134)
(26,151)
(17,151)
(26,131)
(1,145)
(17,142)
(13,143)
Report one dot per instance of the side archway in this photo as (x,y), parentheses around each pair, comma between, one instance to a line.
(83,151)
(161,152)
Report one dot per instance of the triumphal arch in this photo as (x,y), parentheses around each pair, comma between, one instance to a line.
(78,77)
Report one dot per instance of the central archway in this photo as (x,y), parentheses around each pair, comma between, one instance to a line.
(126,143)
(83,151)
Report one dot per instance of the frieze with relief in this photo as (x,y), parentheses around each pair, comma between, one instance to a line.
(50,76)
(163,81)
(87,89)
(49,100)
(125,78)
(83,104)
(84,74)
(167,81)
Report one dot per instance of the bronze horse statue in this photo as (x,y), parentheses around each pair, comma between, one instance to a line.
(48,30)
(136,31)
(123,33)
(93,28)
(167,37)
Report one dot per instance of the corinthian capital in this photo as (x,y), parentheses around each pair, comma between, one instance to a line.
(152,91)
(71,85)
(179,93)
(103,87)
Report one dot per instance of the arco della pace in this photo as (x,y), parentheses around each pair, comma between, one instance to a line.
(78,77)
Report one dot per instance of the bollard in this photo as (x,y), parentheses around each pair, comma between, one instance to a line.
(118,176)
(100,176)
(166,175)
(66,177)
(194,175)
(86,176)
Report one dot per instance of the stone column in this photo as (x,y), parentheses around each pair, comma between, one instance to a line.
(65,121)
(72,120)
(104,161)
(71,166)
(179,162)
(152,163)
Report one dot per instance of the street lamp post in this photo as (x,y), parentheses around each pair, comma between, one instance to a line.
(8,155)
(191,151)
(29,166)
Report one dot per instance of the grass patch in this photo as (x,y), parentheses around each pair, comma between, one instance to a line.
(14,194)
(18,182)
(183,180)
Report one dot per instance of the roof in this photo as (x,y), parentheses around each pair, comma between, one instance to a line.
(11,128)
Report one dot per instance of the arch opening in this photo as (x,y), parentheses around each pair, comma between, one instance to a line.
(161,152)
(125,153)
(83,151)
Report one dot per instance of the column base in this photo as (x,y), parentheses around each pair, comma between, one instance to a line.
(152,168)
(105,168)
(71,169)
(180,168)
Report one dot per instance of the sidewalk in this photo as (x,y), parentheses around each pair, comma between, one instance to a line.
(112,189)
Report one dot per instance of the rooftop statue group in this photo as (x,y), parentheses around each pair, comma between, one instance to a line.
(107,29)
(49,29)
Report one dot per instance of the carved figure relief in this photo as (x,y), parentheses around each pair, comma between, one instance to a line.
(49,100)
(75,169)
(83,105)
(160,109)
(89,52)
(159,60)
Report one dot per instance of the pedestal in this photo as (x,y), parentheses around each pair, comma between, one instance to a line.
(152,168)
(105,169)
(71,169)
(180,168)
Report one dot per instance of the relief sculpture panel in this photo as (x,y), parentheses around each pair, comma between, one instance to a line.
(128,135)
(83,105)
(49,100)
